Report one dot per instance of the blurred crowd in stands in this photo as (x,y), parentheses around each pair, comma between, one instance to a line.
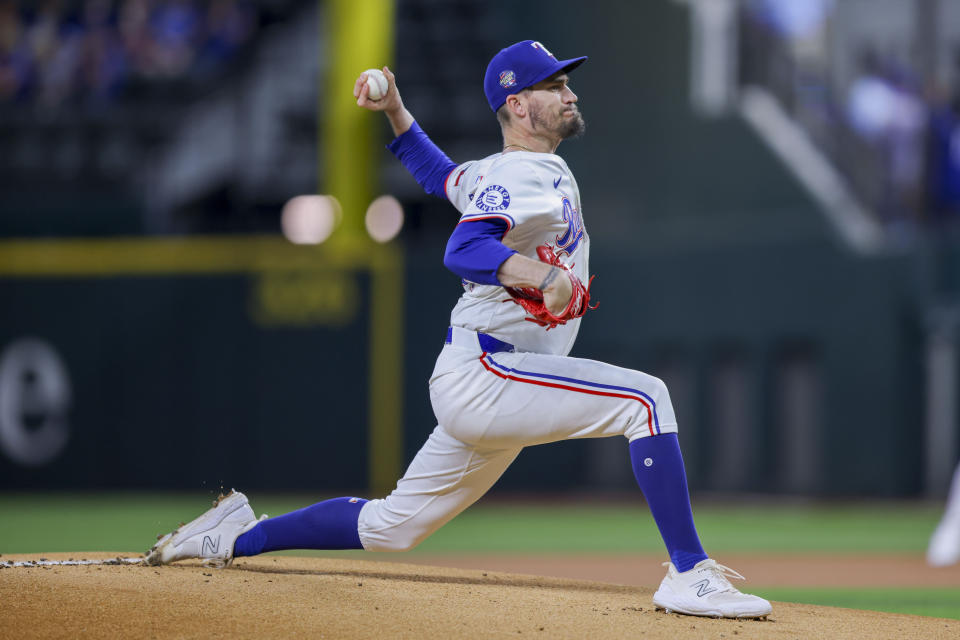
(55,52)
(912,127)
(892,127)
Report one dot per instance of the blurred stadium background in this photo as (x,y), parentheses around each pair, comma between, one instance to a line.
(773,189)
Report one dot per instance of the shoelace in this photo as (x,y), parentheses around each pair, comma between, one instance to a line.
(722,572)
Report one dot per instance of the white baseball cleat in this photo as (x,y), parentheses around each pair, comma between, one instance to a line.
(944,548)
(210,537)
(706,591)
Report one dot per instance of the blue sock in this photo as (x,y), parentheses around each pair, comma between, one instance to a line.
(331,524)
(658,467)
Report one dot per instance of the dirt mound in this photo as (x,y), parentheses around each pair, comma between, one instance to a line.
(334,598)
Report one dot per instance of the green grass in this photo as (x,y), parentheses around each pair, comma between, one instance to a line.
(939,603)
(50,522)
(624,527)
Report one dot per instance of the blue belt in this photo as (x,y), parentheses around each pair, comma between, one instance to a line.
(487,343)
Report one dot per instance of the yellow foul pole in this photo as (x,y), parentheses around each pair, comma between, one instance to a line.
(360,35)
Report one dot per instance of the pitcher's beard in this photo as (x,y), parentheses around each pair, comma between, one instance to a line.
(566,128)
(573,127)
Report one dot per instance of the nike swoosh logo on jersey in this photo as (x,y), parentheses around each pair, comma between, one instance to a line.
(556,183)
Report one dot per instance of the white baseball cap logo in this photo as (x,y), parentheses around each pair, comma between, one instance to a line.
(536,44)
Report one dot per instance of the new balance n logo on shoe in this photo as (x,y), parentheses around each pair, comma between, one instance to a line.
(703,587)
(210,547)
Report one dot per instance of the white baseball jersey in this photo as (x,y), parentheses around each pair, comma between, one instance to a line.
(490,404)
(537,196)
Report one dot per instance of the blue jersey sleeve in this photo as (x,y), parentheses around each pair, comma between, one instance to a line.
(429,165)
(474,251)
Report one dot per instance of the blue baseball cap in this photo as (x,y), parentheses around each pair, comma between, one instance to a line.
(520,66)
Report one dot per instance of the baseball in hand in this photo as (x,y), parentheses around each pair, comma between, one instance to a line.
(377,83)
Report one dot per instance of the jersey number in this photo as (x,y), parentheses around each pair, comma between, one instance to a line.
(570,240)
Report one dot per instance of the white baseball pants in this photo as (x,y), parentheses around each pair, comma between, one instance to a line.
(490,406)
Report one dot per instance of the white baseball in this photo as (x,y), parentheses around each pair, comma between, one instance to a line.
(377,83)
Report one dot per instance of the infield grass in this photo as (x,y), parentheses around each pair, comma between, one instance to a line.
(939,602)
(34,522)
(50,522)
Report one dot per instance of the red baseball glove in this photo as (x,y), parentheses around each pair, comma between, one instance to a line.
(531,299)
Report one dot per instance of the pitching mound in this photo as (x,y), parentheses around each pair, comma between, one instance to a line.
(330,598)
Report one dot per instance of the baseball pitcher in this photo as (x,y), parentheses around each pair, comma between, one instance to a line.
(503,379)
